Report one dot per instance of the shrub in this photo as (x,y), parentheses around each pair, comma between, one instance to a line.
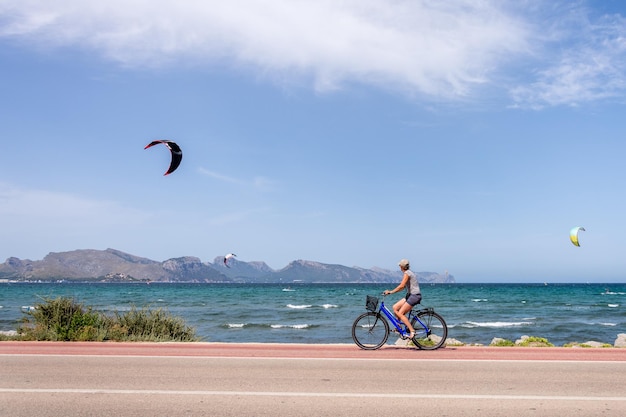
(534,341)
(502,342)
(588,345)
(63,319)
(153,325)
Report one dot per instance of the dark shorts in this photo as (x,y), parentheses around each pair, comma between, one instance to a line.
(413,299)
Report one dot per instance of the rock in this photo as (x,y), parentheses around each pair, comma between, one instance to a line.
(498,341)
(533,341)
(620,342)
(594,344)
(453,342)
(589,344)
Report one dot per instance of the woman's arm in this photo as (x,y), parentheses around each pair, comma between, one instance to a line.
(405,279)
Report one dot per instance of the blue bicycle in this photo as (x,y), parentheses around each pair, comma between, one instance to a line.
(371,329)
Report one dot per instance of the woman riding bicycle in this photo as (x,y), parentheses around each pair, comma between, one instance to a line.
(413,295)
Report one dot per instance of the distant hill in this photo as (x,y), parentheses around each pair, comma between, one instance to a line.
(115,266)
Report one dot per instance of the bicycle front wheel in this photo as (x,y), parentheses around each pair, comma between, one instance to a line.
(370,330)
(431,330)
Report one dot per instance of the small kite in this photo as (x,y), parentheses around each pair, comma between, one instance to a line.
(177,153)
(227,259)
(573,234)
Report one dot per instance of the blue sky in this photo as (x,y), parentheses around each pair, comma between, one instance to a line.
(468,137)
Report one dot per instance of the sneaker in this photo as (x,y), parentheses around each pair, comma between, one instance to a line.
(411,335)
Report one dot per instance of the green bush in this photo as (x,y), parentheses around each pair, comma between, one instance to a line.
(503,343)
(153,325)
(534,341)
(587,345)
(61,319)
(64,319)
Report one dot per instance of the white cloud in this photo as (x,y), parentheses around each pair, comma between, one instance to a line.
(441,49)
(34,221)
(591,68)
(219,177)
(433,49)
(236,217)
(258,183)
(46,209)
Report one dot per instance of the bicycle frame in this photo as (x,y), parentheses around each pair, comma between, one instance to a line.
(397,323)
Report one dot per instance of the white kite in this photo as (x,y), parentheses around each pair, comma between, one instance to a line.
(573,235)
(227,259)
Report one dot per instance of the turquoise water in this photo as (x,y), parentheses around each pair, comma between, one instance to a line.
(324,313)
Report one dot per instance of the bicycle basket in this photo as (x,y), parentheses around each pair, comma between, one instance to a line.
(371,303)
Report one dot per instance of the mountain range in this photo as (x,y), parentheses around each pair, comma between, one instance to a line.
(112,265)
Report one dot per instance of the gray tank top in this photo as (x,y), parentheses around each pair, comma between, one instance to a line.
(412,287)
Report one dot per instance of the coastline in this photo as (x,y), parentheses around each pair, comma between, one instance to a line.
(475,315)
(296,350)
(524,342)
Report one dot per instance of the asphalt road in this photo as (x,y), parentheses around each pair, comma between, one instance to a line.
(306,380)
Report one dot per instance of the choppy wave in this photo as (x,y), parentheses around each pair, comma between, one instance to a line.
(267,326)
(305,306)
(494,324)
(290,326)
(479,300)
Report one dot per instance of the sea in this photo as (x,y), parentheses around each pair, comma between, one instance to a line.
(324,313)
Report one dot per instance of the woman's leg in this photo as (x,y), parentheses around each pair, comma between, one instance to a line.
(397,306)
(401,308)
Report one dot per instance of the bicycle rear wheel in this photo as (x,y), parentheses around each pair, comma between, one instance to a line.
(370,330)
(433,333)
